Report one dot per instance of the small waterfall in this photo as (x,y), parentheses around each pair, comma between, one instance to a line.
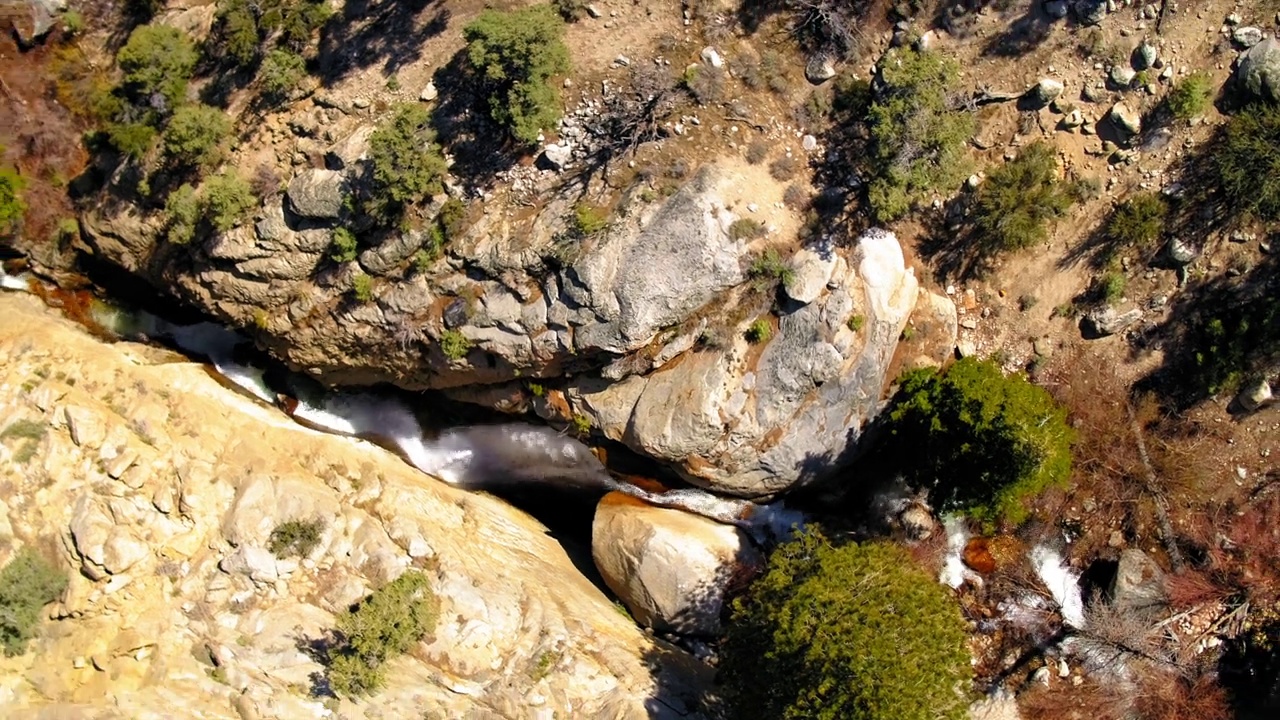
(953,570)
(473,457)
(1063,584)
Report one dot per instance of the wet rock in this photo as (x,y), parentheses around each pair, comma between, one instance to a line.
(1109,321)
(671,569)
(317,193)
(1258,70)
(1126,119)
(978,556)
(1138,586)
(1254,395)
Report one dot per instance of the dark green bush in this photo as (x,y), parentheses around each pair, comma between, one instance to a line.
(917,140)
(343,248)
(982,442)
(1191,97)
(295,538)
(515,54)
(383,625)
(1247,162)
(769,266)
(856,632)
(195,134)
(1017,201)
(157,60)
(1111,287)
(183,210)
(1138,222)
(404,160)
(226,199)
(27,584)
(238,30)
(452,216)
(12,208)
(281,72)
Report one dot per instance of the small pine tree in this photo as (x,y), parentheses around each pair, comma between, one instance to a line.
(226,198)
(515,54)
(1191,97)
(1247,162)
(855,632)
(404,161)
(195,134)
(281,72)
(981,441)
(157,62)
(1018,200)
(1138,222)
(383,625)
(183,210)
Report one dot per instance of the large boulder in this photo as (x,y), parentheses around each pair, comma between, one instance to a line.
(31,20)
(671,569)
(754,422)
(1091,12)
(1109,321)
(317,193)
(1138,586)
(1258,71)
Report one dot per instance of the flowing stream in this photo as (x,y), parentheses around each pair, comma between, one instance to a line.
(511,455)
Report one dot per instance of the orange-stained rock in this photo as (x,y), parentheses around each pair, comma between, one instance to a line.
(977,555)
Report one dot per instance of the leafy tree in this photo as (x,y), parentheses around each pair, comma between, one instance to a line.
(855,632)
(131,138)
(238,30)
(516,53)
(980,440)
(157,62)
(1191,97)
(195,133)
(27,584)
(1247,162)
(917,140)
(281,72)
(385,624)
(12,207)
(183,210)
(1018,200)
(404,160)
(226,199)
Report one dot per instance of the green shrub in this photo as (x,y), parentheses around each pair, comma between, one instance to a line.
(452,215)
(12,208)
(856,632)
(343,247)
(362,288)
(157,60)
(1018,200)
(73,22)
(759,331)
(581,424)
(1191,97)
(454,344)
(27,584)
(1138,222)
(68,229)
(856,322)
(281,72)
(515,54)
(1111,287)
(917,140)
(1247,162)
(745,229)
(383,625)
(769,266)
(404,160)
(571,10)
(589,220)
(226,199)
(195,134)
(295,538)
(980,441)
(183,210)
(132,139)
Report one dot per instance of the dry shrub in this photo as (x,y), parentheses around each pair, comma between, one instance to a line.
(757,151)
(1248,558)
(1094,699)
(784,168)
(1166,696)
(1192,588)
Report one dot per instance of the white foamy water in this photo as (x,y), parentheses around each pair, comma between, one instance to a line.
(20,282)
(1063,584)
(953,569)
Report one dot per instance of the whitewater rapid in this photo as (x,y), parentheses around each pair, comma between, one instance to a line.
(473,456)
